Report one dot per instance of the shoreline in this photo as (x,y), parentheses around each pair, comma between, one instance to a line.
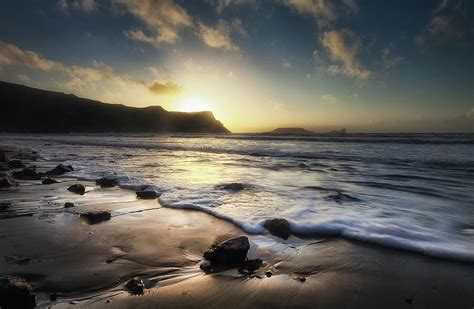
(58,253)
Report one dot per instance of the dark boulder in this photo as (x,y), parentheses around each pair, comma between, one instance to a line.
(147,194)
(253,265)
(15,164)
(77,188)
(135,286)
(60,170)
(15,292)
(96,217)
(206,266)
(28,173)
(48,181)
(7,181)
(3,156)
(235,186)
(4,206)
(278,227)
(106,182)
(230,252)
(68,205)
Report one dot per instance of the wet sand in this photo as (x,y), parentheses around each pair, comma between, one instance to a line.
(85,265)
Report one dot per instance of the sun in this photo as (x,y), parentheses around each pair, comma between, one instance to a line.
(194,104)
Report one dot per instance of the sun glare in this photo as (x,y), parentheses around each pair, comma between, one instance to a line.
(194,104)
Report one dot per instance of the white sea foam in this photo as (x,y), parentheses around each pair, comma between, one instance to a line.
(411,196)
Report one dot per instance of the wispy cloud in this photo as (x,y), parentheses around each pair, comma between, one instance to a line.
(286,64)
(80,77)
(343,47)
(389,60)
(162,18)
(80,5)
(447,23)
(219,36)
(328,99)
(165,88)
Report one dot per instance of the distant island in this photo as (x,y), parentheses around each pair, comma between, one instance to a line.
(30,110)
(301,131)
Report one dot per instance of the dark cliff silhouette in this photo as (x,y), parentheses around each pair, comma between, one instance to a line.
(297,131)
(29,110)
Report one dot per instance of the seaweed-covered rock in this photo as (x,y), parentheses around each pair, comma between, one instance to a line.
(60,170)
(15,292)
(278,227)
(230,252)
(135,286)
(7,181)
(106,182)
(28,173)
(95,217)
(77,188)
(49,181)
(147,194)
(15,164)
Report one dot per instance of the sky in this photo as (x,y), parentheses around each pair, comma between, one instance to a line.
(367,66)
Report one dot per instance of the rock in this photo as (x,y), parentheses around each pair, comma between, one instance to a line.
(206,266)
(77,188)
(253,265)
(96,217)
(60,170)
(235,186)
(268,273)
(230,252)
(53,297)
(278,227)
(4,206)
(106,182)
(3,156)
(147,194)
(15,164)
(340,197)
(301,278)
(68,205)
(135,286)
(28,173)
(409,300)
(15,292)
(48,181)
(7,181)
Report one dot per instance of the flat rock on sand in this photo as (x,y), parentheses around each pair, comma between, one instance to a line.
(147,194)
(60,170)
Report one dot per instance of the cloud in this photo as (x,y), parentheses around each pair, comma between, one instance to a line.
(23,78)
(286,64)
(390,61)
(80,77)
(218,36)
(323,11)
(165,88)
(446,24)
(343,47)
(80,5)
(12,55)
(163,19)
(328,99)
(221,5)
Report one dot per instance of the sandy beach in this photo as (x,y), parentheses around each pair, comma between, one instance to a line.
(71,263)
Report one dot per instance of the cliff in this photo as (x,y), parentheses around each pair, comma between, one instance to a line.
(30,110)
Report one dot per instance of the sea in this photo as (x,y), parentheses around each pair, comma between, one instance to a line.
(406,191)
